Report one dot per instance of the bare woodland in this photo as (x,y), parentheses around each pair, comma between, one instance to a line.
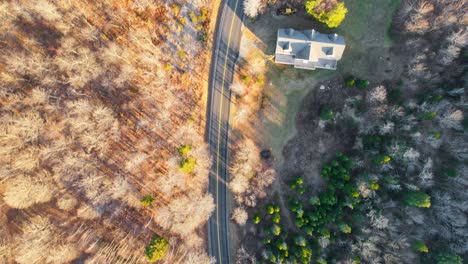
(96,98)
(418,122)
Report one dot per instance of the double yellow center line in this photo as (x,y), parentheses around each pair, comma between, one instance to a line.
(219,128)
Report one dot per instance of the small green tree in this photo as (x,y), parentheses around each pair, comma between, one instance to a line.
(156,249)
(303,255)
(420,246)
(147,200)
(448,258)
(301,189)
(350,81)
(276,230)
(187,164)
(277,209)
(382,159)
(373,185)
(270,256)
(300,241)
(429,116)
(449,172)
(184,149)
(326,114)
(270,209)
(314,200)
(332,18)
(256,218)
(362,84)
(281,245)
(417,199)
(345,228)
(276,218)
(299,180)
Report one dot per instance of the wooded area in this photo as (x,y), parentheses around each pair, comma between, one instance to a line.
(96,100)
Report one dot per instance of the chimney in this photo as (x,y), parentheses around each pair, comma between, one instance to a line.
(290,31)
(312,34)
(333,37)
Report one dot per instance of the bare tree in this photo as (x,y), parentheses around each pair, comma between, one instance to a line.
(239,215)
(252,8)
(66,202)
(23,191)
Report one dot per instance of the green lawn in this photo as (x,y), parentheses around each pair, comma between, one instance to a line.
(366,32)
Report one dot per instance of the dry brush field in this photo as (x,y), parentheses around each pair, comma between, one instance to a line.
(101,130)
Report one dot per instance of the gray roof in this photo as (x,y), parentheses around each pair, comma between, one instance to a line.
(308,48)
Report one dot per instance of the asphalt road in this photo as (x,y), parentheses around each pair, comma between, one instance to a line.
(226,52)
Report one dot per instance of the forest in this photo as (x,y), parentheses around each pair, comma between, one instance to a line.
(376,171)
(102,153)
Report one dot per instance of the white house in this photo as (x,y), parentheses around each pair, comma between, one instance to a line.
(308,49)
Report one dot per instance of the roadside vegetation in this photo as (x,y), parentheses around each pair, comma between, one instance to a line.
(101,148)
(377,170)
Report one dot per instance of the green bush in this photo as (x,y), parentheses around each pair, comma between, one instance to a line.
(277,209)
(436,135)
(382,159)
(417,199)
(256,218)
(276,218)
(147,200)
(270,256)
(420,246)
(429,116)
(300,241)
(184,149)
(332,18)
(301,190)
(314,200)
(394,95)
(187,164)
(448,258)
(344,228)
(270,209)
(156,249)
(276,230)
(321,261)
(373,185)
(304,255)
(362,84)
(372,142)
(350,81)
(326,114)
(449,172)
(203,36)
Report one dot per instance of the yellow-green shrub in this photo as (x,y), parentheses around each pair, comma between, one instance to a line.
(332,18)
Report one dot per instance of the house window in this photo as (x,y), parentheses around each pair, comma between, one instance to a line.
(328,51)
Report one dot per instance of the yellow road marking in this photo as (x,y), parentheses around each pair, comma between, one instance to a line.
(219,130)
